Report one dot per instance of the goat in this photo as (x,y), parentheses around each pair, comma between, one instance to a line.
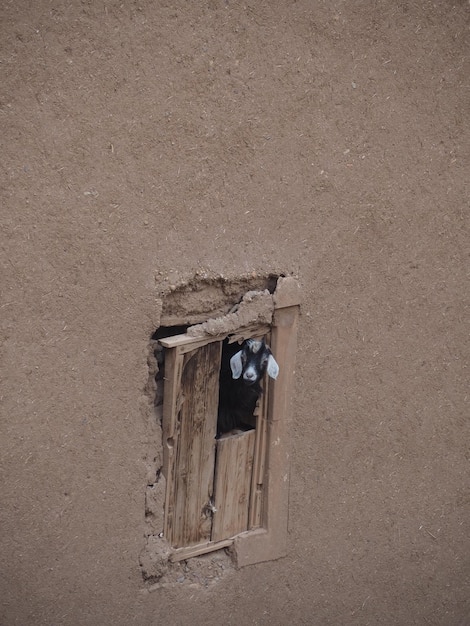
(239,387)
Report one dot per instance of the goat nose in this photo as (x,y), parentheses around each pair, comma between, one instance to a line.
(250,375)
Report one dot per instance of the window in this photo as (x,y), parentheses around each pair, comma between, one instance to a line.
(230,491)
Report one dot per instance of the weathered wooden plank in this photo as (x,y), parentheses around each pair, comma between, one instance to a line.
(171,403)
(270,542)
(202,548)
(253,331)
(188,342)
(257,488)
(233,473)
(190,487)
(256,498)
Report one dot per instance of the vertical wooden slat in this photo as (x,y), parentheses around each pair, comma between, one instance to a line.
(171,402)
(256,498)
(257,484)
(190,487)
(233,475)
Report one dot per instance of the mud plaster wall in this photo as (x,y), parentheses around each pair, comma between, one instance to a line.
(145,142)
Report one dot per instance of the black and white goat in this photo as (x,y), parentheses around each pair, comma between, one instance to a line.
(240,376)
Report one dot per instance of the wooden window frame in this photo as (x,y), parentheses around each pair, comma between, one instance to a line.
(267,538)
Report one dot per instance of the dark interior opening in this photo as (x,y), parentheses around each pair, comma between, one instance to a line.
(169,331)
(237,403)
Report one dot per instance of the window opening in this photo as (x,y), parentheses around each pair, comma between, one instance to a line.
(226,474)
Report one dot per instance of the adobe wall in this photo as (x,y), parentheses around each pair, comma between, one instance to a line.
(150,145)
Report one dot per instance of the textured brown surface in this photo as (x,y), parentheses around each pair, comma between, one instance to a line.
(145,142)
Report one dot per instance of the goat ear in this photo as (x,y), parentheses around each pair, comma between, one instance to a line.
(273,367)
(236,365)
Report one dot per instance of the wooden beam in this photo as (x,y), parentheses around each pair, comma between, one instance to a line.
(171,406)
(209,546)
(189,342)
(270,542)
